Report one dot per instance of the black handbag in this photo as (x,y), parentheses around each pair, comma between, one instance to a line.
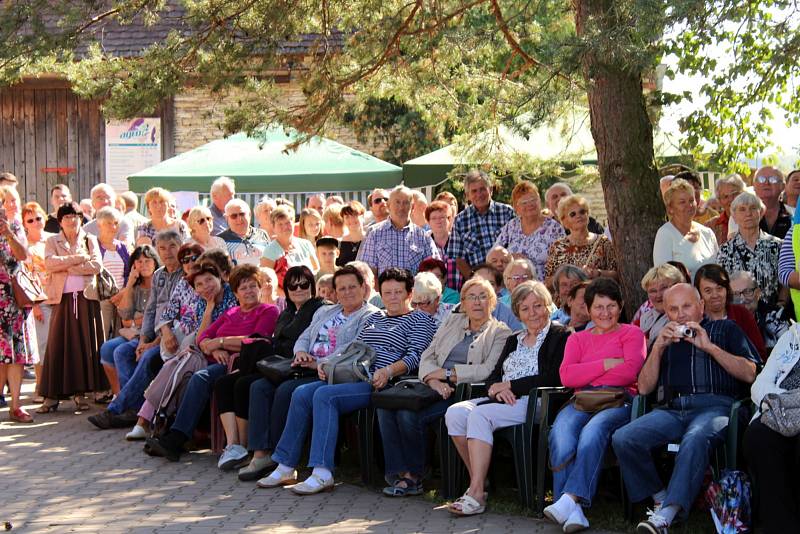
(408,394)
(253,350)
(278,369)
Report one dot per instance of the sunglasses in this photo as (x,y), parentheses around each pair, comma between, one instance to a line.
(579,212)
(187,259)
(202,220)
(379,200)
(298,285)
(771,180)
(237,215)
(36,219)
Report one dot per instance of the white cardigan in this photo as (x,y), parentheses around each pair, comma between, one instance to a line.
(780,362)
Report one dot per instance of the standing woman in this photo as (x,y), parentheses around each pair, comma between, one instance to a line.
(529,234)
(115,257)
(15,345)
(157,201)
(352,213)
(33,220)
(311,226)
(72,363)
(296,250)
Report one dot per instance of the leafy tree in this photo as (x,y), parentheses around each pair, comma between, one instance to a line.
(469,63)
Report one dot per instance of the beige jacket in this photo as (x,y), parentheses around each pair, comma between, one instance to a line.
(482,355)
(57,252)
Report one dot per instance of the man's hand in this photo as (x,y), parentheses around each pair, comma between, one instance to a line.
(668,335)
(700,339)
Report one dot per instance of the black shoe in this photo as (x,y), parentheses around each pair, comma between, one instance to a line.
(102,420)
(124,420)
(170,446)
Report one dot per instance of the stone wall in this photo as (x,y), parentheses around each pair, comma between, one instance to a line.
(199,115)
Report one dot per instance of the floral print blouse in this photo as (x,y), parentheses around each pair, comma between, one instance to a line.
(762,262)
(535,246)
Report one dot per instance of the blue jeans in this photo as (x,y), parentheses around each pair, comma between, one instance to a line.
(697,422)
(578,442)
(404,436)
(269,406)
(196,396)
(107,349)
(131,396)
(324,403)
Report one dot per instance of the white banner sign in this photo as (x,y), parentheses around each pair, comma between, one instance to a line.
(131,146)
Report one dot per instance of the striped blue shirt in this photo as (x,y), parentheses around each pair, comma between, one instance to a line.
(686,369)
(401,337)
(786,262)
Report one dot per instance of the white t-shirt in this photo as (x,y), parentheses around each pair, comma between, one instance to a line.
(301,252)
(670,244)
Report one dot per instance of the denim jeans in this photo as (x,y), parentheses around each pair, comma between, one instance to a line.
(131,395)
(196,396)
(324,404)
(269,406)
(696,422)
(578,442)
(107,349)
(404,436)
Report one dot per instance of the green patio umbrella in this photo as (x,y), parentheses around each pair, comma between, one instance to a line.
(262,166)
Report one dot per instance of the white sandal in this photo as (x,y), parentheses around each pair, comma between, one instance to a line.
(466,505)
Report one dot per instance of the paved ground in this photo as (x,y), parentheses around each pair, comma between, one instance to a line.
(61,475)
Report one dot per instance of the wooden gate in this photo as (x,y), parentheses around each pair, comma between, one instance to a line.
(47,136)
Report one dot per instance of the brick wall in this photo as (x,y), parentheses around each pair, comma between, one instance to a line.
(199,115)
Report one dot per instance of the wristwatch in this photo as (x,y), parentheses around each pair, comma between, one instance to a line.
(448,374)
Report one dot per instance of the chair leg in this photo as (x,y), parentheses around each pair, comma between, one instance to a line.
(523,465)
(366,446)
(541,470)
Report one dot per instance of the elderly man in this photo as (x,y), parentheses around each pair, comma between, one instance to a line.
(316,201)
(103,195)
(726,189)
(772,319)
(245,243)
(499,258)
(418,206)
(553,196)
(59,195)
(698,367)
(144,356)
(378,207)
(475,229)
(397,242)
(768,184)
(222,191)
(131,202)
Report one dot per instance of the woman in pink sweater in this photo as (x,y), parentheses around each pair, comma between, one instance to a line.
(609,355)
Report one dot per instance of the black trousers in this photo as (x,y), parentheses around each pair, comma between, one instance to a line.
(774,461)
(233,393)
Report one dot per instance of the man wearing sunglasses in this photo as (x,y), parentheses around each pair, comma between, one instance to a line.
(378,207)
(245,243)
(769,183)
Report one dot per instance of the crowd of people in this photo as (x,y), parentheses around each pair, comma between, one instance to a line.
(170,320)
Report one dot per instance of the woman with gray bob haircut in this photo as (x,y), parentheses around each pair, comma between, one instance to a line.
(427,295)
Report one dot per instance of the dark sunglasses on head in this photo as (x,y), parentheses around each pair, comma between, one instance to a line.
(38,218)
(581,211)
(237,215)
(188,259)
(298,285)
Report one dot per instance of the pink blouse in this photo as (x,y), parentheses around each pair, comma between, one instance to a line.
(584,354)
(260,320)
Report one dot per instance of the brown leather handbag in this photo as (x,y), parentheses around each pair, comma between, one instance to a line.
(598,399)
(27,289)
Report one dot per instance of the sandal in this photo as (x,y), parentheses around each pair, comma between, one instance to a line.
(20,416)
(466,505)
(80,403)
(48,406)
(411,488)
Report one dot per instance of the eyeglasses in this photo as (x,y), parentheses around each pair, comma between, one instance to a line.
(237,215)
(37,219)
(418,303)
(771,180)
(518,277)
(581,211)
(483,297)
(379,200)
(188,259)
(203,220)
(746,293)
(298,285)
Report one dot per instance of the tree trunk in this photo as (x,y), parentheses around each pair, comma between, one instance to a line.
(623,136)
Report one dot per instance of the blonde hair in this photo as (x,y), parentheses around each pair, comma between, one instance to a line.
(333,215)
(678,185)
(157,193)
(481,282)
(565,203)
(665,271)
(195,213)
(281,212)
(308,213)
(32,207)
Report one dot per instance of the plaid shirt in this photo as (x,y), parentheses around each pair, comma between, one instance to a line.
(474,233)
(453,277)
(386,246)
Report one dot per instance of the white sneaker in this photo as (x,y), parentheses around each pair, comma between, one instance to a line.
(231,457)
(655,524)
(559,511)
(136,434)
(576,521)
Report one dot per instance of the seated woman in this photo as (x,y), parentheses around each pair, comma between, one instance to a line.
(772,457)
(609,355)
(650,316)
(529,359)
(398,336)
(427,295)
(714,285)
(464,349)
(439,268)
(517,271)
(143,263)
(264,406)
(219,342)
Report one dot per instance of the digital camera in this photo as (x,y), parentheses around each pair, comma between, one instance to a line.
(685,331)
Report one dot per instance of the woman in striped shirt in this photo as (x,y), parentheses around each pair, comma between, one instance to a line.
(398,336)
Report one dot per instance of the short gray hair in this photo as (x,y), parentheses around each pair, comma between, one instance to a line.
(105,187)
(167,235)
(237,202)
(558,184)
(476,175)
(746,198)
(525,289)
(108,213)
(747,275)
(732,179)
(223,181)
(427,286)
(520,262)
(568,271)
